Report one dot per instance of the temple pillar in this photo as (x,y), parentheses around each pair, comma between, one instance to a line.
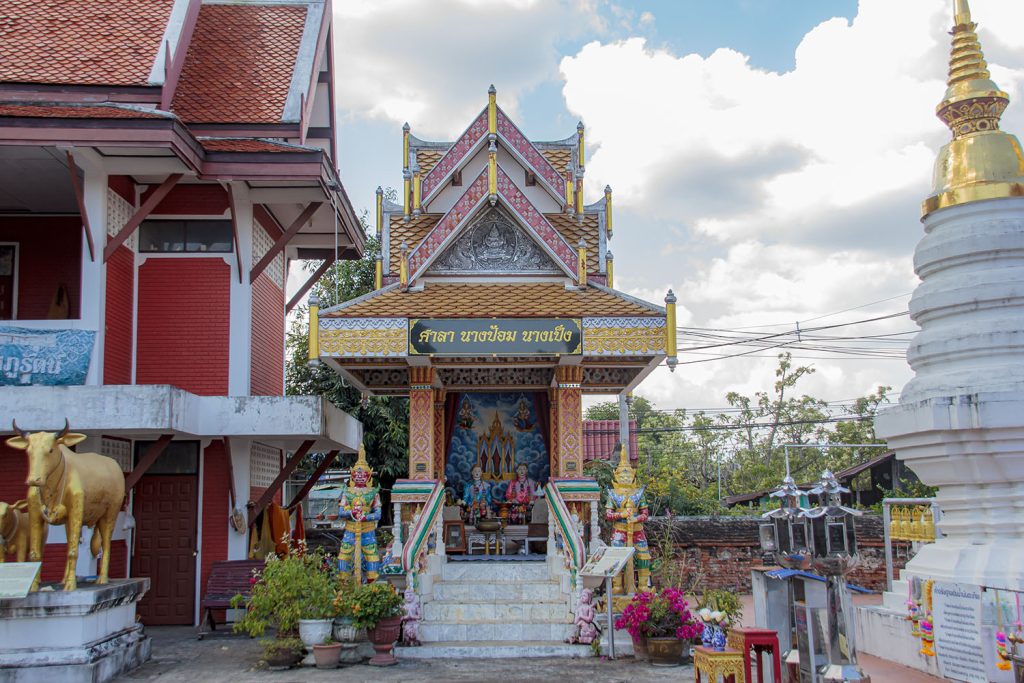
(553,426)
(569,418)
(421,422)
(439,444)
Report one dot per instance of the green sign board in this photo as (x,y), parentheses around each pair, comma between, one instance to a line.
(496,336)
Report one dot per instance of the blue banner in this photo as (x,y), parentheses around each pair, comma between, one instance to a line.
(44,357)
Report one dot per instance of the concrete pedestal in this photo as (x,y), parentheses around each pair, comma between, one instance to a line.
(87,635)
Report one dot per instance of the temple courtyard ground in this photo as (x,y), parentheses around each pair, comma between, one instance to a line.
(179,658)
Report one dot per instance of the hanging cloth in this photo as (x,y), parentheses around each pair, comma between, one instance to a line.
(280,529)
(299,532)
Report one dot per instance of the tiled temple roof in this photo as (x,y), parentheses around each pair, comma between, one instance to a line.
(412,233)
(58,110)
(508,300)
(251,145)
(81,42)
(240,63)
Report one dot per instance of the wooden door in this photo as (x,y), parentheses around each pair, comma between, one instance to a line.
(165,547)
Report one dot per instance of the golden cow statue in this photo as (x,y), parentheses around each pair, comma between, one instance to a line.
(74,489)
(14,530)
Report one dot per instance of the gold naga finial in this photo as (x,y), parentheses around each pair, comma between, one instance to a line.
(981,161)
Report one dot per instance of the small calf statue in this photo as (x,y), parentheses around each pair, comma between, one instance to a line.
(14,530)
(74,489)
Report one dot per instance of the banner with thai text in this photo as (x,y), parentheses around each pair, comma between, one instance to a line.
(44,357)
(496,336)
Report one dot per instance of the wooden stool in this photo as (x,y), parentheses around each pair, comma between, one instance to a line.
(761,640)
(728,664)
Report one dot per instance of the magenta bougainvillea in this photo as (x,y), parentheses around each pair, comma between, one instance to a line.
(664,614)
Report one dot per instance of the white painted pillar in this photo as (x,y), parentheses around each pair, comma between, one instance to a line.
(396,516)
(240,348)
(595,526)
(238,548)
(93,294)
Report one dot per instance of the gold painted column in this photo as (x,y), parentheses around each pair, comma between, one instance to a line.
(569,418)
(553,426)
(439,444)
(421,422)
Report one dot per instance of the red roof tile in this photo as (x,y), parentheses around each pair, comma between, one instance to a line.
(601,440)
(240,63)
(250,145)
(81,42)
(76,111)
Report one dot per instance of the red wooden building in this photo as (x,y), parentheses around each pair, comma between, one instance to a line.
(163,164)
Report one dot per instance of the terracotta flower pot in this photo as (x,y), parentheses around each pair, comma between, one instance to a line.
(326,656)
(383,637)
(665,651)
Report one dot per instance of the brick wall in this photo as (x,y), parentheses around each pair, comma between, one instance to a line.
(49,255)
(117,351)
(216,508)
(267,338)
(184,323)
(720,552)
(190,200)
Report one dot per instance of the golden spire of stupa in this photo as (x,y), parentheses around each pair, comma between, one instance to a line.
(981,162)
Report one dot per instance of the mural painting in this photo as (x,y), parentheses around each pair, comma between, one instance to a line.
(497,433)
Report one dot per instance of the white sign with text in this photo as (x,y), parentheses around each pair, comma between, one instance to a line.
(956,616)
(16,578)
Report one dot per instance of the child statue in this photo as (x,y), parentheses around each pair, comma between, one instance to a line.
(360,507)
(627,511)
(477,496)
(411,618)
(521,493)
(585,630)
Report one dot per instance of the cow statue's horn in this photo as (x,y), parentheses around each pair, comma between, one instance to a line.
(23,433)
(67,428)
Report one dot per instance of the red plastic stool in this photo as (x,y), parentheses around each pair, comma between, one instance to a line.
(761,641)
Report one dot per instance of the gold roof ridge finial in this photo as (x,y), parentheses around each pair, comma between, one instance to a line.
(981,162)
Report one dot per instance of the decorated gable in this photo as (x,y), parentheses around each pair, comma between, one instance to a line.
(494,243)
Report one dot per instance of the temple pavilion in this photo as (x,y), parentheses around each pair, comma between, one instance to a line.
(494,312)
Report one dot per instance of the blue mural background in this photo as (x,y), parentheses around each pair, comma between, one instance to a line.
(44,357)
(528,438)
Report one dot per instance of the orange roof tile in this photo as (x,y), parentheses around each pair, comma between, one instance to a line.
(77,111)
(412,233)
(559,158)
(250,145)
(239,64)
(84,42)
(509,300)
(572,230)
(428,158)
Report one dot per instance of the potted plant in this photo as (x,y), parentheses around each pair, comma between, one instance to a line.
(718,609)
(289,589)
(326,654)
(663,622)
(377,607)
(282,653)
(345,630)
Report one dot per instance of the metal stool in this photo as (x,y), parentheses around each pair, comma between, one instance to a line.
(761,640)
(726,663)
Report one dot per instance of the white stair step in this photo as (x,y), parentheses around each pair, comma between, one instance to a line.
(448,631)
(493,650)
(544,591)
(541,612)
(496,572)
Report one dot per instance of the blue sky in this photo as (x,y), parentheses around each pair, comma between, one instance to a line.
(768,157)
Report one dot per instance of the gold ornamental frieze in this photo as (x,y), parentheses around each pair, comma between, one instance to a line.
(363,337)
(623,336)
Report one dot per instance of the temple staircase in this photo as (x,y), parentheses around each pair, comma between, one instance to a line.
(497,609)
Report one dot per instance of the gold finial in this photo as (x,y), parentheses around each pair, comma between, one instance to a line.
(570,188)
(671,351)
(609,269)
(624,474)
(403,266)
(492,110)
(361,464)
(581,263)
(980,162)
(608,209)
(378,272)
(314,331)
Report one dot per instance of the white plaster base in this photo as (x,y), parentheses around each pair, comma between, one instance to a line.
(87,635)
(886,634)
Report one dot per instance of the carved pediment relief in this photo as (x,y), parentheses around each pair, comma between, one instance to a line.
(494,243)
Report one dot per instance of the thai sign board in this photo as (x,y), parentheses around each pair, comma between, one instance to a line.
(16,578)
(46,357)
(607,561)
(956,615)
(496,336)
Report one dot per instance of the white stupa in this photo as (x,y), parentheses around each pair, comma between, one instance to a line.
(959,423)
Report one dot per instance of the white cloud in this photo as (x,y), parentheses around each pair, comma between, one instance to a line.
(797,192)
(430,63)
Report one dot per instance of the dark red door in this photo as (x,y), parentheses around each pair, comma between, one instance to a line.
(165,547)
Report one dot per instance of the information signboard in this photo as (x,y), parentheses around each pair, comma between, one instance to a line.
(956,615)
(16,579)
(607,561)
(495,336)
